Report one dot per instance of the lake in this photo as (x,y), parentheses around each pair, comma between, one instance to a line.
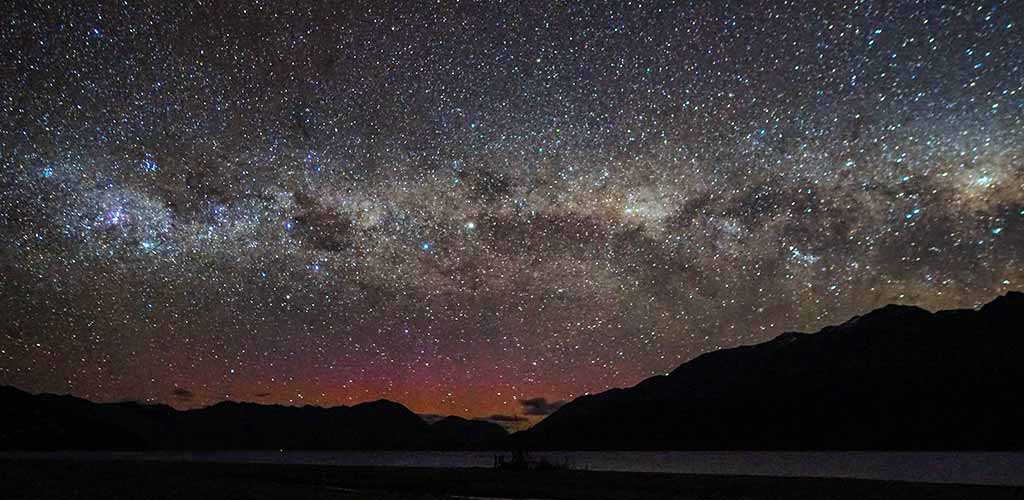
(995,468)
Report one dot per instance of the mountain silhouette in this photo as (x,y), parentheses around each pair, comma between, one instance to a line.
(459,433)
(899,377)
(46,421)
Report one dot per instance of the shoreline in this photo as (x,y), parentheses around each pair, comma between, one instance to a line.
(981,468)
(70,479)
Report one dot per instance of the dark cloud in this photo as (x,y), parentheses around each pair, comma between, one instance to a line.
(182,394)
(486,186)
(261,394)
(322,228)
(504,418)
(540,406)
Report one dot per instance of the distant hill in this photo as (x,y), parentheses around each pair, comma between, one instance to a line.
(45,421)
(896,378)
(458,433)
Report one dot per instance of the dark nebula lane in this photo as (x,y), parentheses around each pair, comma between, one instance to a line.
(462,206)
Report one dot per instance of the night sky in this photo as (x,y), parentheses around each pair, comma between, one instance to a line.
(461,206)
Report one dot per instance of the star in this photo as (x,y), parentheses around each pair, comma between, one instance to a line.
(555,198)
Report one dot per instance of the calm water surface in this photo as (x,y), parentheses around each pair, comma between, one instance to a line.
(944,467)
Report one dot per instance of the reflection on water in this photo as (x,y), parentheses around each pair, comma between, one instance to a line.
(945,467)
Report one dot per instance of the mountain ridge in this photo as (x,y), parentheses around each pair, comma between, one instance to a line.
(887,368)
(897,377)
(52,421)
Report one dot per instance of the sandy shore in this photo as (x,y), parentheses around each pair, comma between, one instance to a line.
(55,479)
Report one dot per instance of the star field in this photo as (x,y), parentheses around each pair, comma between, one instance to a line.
(461,205)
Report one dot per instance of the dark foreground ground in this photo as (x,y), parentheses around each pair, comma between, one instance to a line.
(52,479)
